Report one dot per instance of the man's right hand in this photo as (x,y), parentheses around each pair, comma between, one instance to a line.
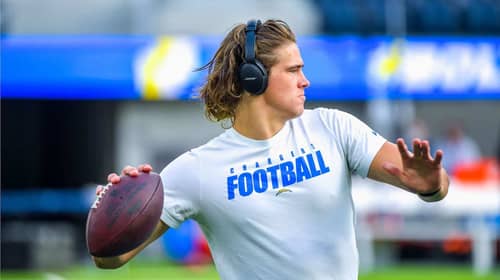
(128,170)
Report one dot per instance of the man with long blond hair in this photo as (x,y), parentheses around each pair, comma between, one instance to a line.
(272,193)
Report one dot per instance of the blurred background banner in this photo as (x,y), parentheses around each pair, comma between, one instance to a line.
(341,68)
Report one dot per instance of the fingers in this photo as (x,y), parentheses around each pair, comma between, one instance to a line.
(422,149)
(113,178)
(426,150)
(403,149)
(438,157)
(133,171)
(130,171)
(146,168)
(417,147)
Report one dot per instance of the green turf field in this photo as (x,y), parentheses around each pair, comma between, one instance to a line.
(151,271)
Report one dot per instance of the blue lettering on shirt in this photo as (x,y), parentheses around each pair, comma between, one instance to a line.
(273,171)
(302,169)
(286,173)
(245,184)
(260,181)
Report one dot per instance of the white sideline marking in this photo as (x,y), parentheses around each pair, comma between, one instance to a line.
(53,276)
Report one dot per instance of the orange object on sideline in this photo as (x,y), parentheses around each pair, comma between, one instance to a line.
(459,244)
(486,169)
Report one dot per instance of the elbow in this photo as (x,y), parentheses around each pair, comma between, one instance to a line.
(108,266)
(108,263)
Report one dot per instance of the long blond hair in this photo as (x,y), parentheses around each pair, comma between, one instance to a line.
(222,92)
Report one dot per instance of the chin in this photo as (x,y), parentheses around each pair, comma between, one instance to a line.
(298,112)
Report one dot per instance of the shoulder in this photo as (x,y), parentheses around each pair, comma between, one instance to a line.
(186,161)
(190,160)
(330,118)
(324,113)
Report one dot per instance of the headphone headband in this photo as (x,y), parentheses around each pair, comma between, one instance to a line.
(250,40)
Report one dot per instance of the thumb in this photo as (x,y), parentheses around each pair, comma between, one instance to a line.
(391,169)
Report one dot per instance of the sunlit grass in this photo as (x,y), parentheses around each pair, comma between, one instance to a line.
(155,270)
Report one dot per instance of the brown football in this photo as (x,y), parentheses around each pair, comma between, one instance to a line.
(124,215)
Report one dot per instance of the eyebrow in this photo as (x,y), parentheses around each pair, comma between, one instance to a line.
(295,66)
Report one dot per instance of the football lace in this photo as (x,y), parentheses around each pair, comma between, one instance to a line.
(101,195)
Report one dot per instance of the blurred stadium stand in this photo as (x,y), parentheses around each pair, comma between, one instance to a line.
(55,145)
(457,17)
(367,17)
(151,16)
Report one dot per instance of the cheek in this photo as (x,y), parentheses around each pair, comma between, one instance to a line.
(281,88)
(273,98)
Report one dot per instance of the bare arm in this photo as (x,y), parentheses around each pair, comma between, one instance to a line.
(416,172)
(118,261)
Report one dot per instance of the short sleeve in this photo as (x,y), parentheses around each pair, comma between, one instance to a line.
(359,142)
(181,186)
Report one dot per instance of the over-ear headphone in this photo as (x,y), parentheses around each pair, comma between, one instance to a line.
(252,73)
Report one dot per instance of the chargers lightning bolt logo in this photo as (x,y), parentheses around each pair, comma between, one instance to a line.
(280,191)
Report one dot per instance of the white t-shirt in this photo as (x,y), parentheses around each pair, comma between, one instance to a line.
(279,208)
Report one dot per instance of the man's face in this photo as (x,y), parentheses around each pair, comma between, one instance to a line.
(285,91)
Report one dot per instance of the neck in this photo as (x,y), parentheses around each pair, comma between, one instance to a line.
(255,121)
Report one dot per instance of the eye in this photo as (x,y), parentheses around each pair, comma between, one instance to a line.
(295,69)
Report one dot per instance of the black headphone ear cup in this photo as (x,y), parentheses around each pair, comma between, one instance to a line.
(253,77)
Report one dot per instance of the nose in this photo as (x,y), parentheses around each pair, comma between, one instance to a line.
(304,82)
